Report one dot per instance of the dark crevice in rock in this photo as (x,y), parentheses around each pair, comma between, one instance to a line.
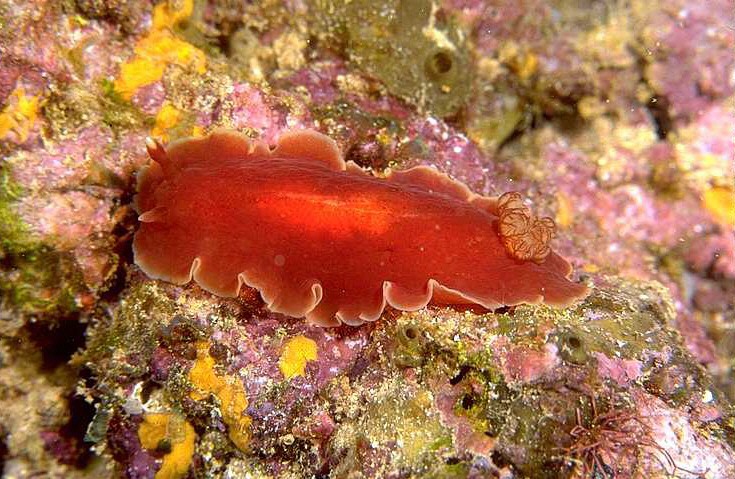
(460,375)
(57,340)
(67,443)
(658,107)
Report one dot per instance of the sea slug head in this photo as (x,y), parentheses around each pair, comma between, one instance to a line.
(525,236)
(158,153)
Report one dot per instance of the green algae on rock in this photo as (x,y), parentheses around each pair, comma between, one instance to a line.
(121,345)
(398,412)
(444,390)
(614,349)
(420,56)
(38,279)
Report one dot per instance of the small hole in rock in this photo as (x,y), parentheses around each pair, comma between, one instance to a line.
(499,459)
(574,342)
(510,310)
(411,333)
(441,62)
(164,446)
(460,375)
(146,390)
(467,401)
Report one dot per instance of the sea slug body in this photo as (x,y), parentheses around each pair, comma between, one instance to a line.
(321,238)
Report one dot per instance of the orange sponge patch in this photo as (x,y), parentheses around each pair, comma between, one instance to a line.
(227,389)
(173,432)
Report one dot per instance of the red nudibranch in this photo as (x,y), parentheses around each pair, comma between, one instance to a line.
(321,238)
